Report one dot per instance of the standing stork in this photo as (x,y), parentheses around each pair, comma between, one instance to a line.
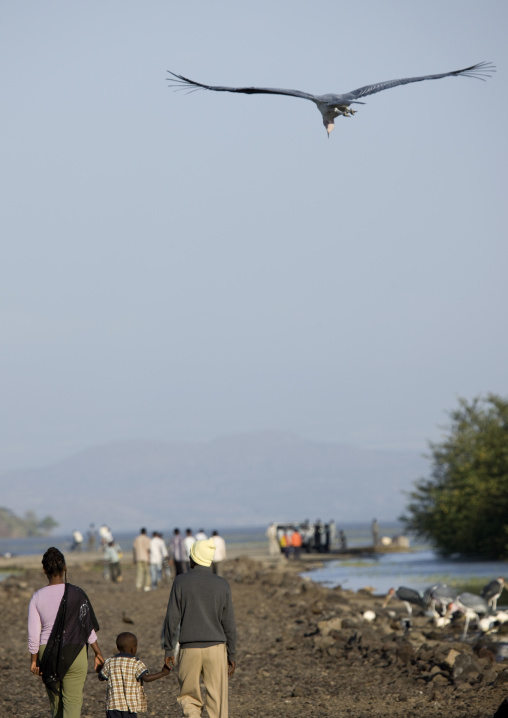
(439,594)
(408,596)
(472,606)
(492,591)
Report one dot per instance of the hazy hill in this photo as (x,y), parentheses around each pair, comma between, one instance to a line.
(248,479)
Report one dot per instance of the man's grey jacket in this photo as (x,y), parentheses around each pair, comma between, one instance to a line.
(200,603)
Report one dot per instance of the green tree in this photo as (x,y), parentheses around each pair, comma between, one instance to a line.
(463,507)
(30,522)
(47,524)
(12,526)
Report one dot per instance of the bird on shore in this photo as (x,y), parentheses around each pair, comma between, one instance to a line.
(408,596)
(472,606)
(332,105)
(439,595)
(492,591)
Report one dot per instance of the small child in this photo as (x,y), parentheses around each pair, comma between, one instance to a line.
(125,675)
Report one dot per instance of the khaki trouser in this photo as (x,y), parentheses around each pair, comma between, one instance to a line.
(142,574)
(210,663)
(69,705)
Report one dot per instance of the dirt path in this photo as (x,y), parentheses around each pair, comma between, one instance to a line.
(303,651)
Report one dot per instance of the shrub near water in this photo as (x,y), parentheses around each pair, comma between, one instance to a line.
(463,508)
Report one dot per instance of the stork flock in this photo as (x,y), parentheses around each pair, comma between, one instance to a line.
(444,603)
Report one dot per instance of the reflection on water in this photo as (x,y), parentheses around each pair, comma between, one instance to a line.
(418,570)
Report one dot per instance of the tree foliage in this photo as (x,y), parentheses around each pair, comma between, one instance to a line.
(463,507)
(12,526)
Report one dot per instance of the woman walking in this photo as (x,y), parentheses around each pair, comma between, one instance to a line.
(61,625)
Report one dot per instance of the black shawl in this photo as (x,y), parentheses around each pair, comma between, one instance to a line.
(73,624)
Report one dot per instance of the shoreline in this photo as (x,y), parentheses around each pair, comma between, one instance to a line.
(257,551)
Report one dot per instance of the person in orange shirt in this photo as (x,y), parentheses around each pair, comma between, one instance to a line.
(296,543)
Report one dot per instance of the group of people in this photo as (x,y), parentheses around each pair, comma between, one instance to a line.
(153,558)
(199,622)
(290,539)
(149,555)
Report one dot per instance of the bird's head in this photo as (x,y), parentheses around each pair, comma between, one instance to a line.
(329,125)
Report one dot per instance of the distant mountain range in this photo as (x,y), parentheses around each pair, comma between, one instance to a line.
(244,480)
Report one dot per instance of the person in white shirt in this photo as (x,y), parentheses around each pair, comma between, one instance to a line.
(220,553)
(158,553)
(201,536)
(187,542)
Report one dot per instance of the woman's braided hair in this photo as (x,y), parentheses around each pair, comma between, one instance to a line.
(53,562)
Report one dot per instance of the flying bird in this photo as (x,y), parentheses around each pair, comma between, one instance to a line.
(331,105)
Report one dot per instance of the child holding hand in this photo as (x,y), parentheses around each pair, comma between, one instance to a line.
(125,675)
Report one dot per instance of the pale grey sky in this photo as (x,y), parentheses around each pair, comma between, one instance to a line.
(186,266)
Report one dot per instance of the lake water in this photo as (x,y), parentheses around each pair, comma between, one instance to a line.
(418,570)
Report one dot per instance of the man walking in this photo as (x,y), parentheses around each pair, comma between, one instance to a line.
(220,553)
(200,602)
(158,554)
(141,554)
(177,553)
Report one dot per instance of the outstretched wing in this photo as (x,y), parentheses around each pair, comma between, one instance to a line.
(183,83)
(480,71)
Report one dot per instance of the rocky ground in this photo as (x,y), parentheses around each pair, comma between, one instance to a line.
(303,651)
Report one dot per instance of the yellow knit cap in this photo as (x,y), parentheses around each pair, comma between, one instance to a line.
(202,552)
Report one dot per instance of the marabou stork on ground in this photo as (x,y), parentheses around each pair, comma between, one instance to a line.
(472,606)
(441,595)
(408,596)
(492,591)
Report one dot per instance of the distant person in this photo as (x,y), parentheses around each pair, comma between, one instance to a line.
(285,544)
(92,538)
(332,533)
(158,554)
(77,540)
(220,553)
(187,542)
(375,533)
(343,540)
(201,536)
(319,536)
(200,607)
(141,555)
(326,548)
(112,555)
(61,623)
(125,675)
(177,553)
(296,543)
(273,543)
(307,533)
(105,536)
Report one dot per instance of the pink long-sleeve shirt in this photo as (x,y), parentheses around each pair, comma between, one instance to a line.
(42,612)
